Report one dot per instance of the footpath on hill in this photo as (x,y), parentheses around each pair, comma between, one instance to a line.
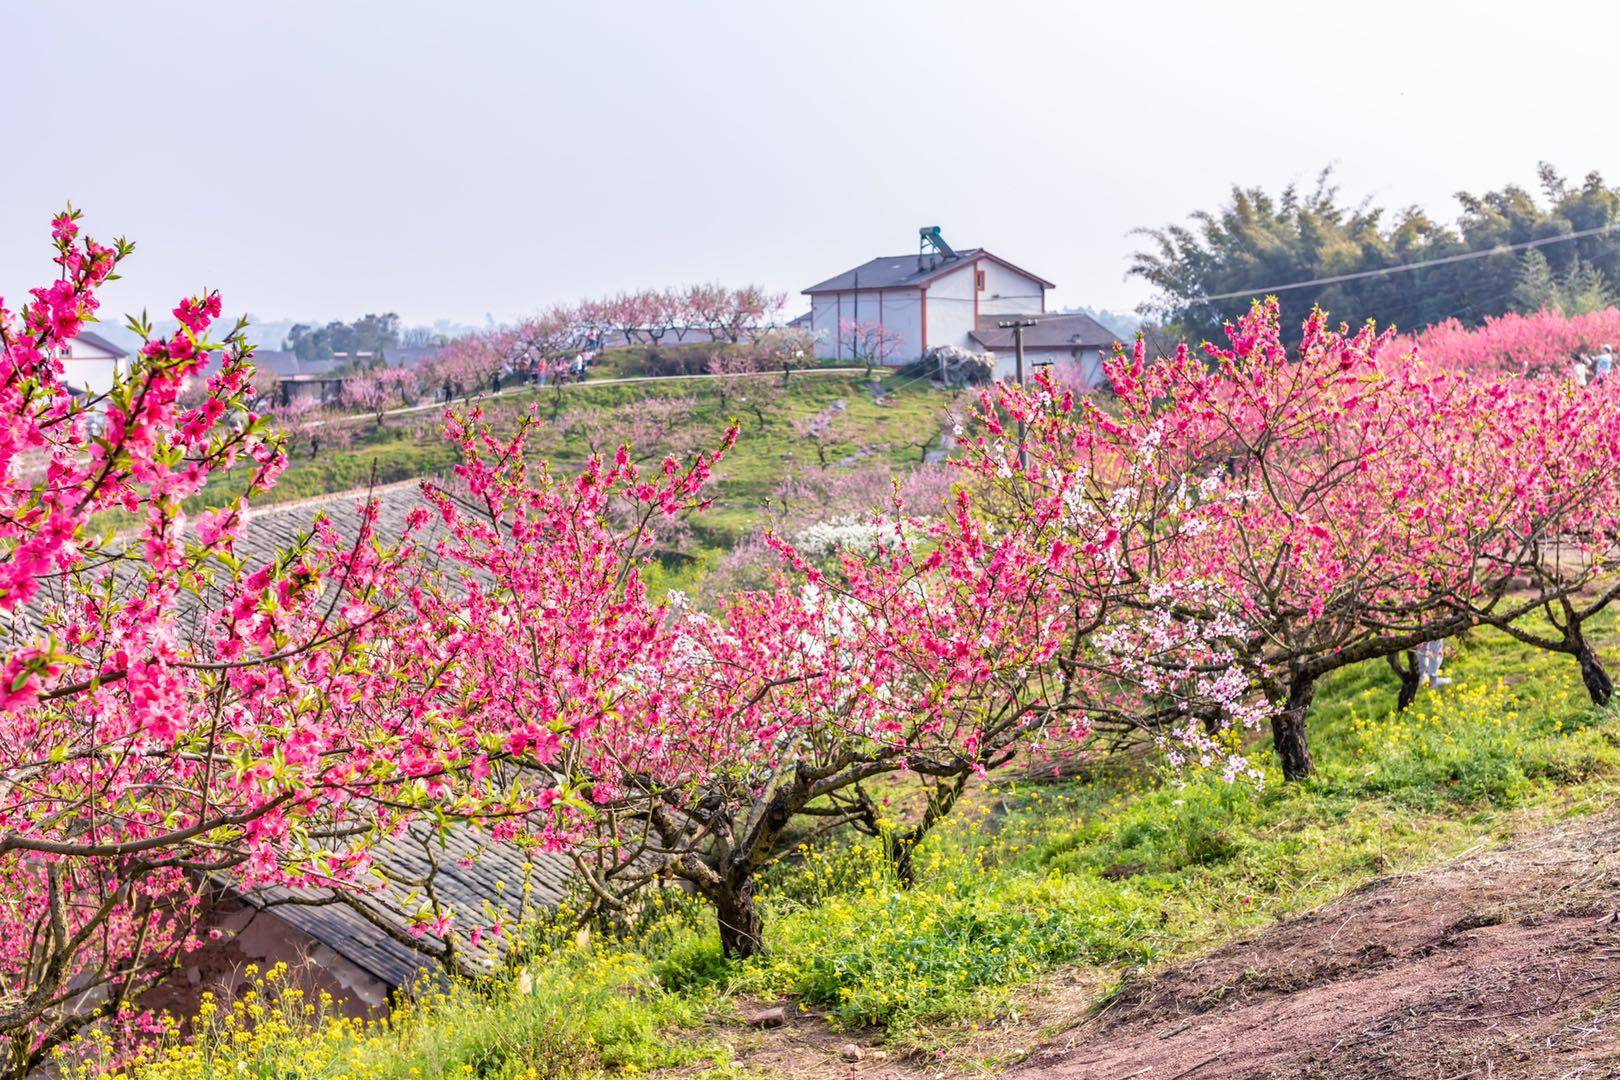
(1503,964)
(1499,965)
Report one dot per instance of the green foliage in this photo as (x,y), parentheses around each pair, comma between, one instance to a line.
(412,447)
(1582,288)
(1257,241)
(1123,868)
(369,333)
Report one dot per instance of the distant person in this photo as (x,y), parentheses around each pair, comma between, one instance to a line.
(1602,364)
(1430,654)
(1579,371)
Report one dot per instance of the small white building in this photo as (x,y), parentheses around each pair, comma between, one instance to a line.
(91,363)
(1070,338)
(941,296)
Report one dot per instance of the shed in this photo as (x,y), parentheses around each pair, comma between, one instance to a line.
(359,946)
(1073,338)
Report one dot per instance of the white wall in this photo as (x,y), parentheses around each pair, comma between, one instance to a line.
(95,376)
(1087,362)
(952,313)
(1090,362)
(90,368)
(824,325)
(900,310)
(951,308)
(1007,292)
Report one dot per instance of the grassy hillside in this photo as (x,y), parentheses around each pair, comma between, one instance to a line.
(892,427)
(1095,878)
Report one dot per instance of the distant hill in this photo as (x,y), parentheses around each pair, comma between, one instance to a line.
(265,333)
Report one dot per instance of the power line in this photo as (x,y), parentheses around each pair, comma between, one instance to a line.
(1445,260)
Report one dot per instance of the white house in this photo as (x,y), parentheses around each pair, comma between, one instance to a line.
(942,296)
(91,362)
(1066,338)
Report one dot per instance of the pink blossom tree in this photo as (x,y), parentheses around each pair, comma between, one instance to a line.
(471,364)
(868,343)
(168,710)
(376,392)
(1543,344)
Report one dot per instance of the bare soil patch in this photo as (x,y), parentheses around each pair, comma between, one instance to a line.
(1503,965)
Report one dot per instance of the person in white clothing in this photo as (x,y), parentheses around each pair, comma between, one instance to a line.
(1429,656)
(1602,364)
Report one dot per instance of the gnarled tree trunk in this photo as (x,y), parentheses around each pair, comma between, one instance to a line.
(1288,728)
(902,846)
(742,930)
(1598,683)
(1408,674)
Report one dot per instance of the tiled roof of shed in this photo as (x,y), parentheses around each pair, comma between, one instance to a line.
(470,863)
(477,881)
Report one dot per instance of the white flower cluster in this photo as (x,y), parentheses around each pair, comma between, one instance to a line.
(855,535)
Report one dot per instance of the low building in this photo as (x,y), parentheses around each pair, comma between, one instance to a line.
(358,946)
(1067,339)
(944,297)
(938,296)
(91,363)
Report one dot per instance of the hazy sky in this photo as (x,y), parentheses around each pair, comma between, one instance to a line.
(448,160)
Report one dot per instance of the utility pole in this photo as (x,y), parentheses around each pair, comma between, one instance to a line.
(1017,327)
(857,311)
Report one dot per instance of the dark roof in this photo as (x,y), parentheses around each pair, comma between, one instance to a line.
(409,356)
(477,881)
(893,271)
(96,341)
(280,362)
(285,362)
(468,891)
(1049,332)
(904,271)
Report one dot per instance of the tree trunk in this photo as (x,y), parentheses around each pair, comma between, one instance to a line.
(1408,676)
(902,846)
(1598,683)
(742,931)
(1288,729)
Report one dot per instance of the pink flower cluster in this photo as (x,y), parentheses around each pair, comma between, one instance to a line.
(1186,563)
(1538,345)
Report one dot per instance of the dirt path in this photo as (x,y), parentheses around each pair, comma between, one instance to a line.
(1501,965)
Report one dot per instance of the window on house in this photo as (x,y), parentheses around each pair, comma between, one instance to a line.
(978,280)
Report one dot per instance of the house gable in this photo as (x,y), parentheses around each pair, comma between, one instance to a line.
(928,300)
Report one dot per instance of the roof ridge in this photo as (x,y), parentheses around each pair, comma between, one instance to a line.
(254,512)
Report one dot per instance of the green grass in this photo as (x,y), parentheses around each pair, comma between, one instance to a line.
(669,357)
(407,447)
(1111,874)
